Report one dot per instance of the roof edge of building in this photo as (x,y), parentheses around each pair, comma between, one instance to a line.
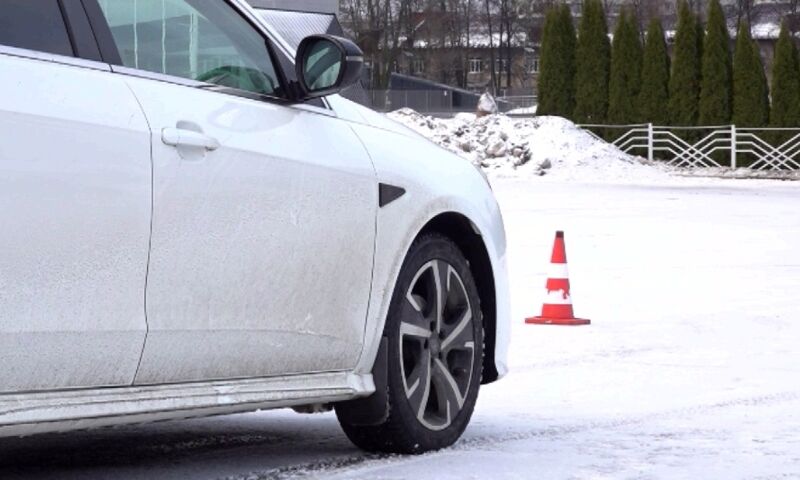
(315,6)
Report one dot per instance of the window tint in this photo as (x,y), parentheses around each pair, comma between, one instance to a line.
(35,25)
(200,40)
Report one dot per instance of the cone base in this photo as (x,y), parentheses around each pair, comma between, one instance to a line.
(557,321)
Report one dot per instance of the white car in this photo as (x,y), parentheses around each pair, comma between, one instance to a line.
(191,226)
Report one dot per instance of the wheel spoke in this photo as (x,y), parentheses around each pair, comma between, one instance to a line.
(411,320)
(461,336)
(418,384)
(450,399)
(441,272)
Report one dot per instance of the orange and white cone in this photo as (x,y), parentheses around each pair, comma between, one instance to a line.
(557,309)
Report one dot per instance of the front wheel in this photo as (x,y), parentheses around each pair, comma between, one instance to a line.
(434,333)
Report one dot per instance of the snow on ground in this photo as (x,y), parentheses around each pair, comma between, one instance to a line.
(741,173)
(529,147)
(690,370)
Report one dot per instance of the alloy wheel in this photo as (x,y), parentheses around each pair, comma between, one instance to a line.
(437,344)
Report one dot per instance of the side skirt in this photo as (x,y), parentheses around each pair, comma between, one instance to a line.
(33,413)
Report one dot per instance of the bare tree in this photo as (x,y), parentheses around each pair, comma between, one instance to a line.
(492,57)
(393,34)
(379,26)
(459,27)
(507,10)
(468,39)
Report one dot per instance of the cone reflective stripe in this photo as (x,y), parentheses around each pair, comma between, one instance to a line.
(557,308)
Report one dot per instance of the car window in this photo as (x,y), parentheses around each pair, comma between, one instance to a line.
(200,40)
(35,25)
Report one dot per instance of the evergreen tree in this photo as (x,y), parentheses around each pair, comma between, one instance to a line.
(750,95)
(785,110)
(684,83)
(654,94)
(547,86)
(592,61)
(626,71)
(716,91)
(557,77)
(700,35)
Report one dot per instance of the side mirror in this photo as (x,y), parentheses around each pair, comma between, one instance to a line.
(326,65)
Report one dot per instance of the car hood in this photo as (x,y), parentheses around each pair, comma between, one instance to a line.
(353,112)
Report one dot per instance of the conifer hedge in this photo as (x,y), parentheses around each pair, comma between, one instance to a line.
(750,96)
(684,84)
(626,71)
(785,110)
(703,84)
(654,93)
(593,58)
(716,90)
(557,78)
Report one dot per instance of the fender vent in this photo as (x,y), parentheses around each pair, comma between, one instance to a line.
(388,194)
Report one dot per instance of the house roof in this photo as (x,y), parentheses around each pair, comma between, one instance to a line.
(316,6)
(295,26)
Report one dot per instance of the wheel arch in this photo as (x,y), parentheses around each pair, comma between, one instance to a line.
(468,238)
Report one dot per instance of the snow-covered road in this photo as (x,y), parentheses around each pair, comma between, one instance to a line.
(691,368)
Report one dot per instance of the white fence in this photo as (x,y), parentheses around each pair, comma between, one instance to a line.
(713,146)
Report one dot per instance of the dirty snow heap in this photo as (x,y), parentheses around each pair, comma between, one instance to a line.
(507,146)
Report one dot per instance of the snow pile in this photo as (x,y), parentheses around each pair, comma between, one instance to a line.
(551,146)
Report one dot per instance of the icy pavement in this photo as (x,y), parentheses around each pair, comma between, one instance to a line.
(691,368)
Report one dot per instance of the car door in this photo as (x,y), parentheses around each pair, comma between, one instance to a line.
(264,213)
(75,201)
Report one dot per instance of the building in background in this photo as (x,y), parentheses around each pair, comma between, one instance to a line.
(450,47)
(466,60)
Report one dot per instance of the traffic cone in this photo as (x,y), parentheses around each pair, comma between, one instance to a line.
(557,309)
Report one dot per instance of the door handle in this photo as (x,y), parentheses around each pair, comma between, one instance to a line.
(180,137)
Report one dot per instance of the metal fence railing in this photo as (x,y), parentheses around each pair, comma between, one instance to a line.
(424,101)
(707,146)
(437,102)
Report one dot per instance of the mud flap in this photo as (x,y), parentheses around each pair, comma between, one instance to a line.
(372,410)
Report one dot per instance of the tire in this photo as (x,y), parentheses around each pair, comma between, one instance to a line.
(435,354)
